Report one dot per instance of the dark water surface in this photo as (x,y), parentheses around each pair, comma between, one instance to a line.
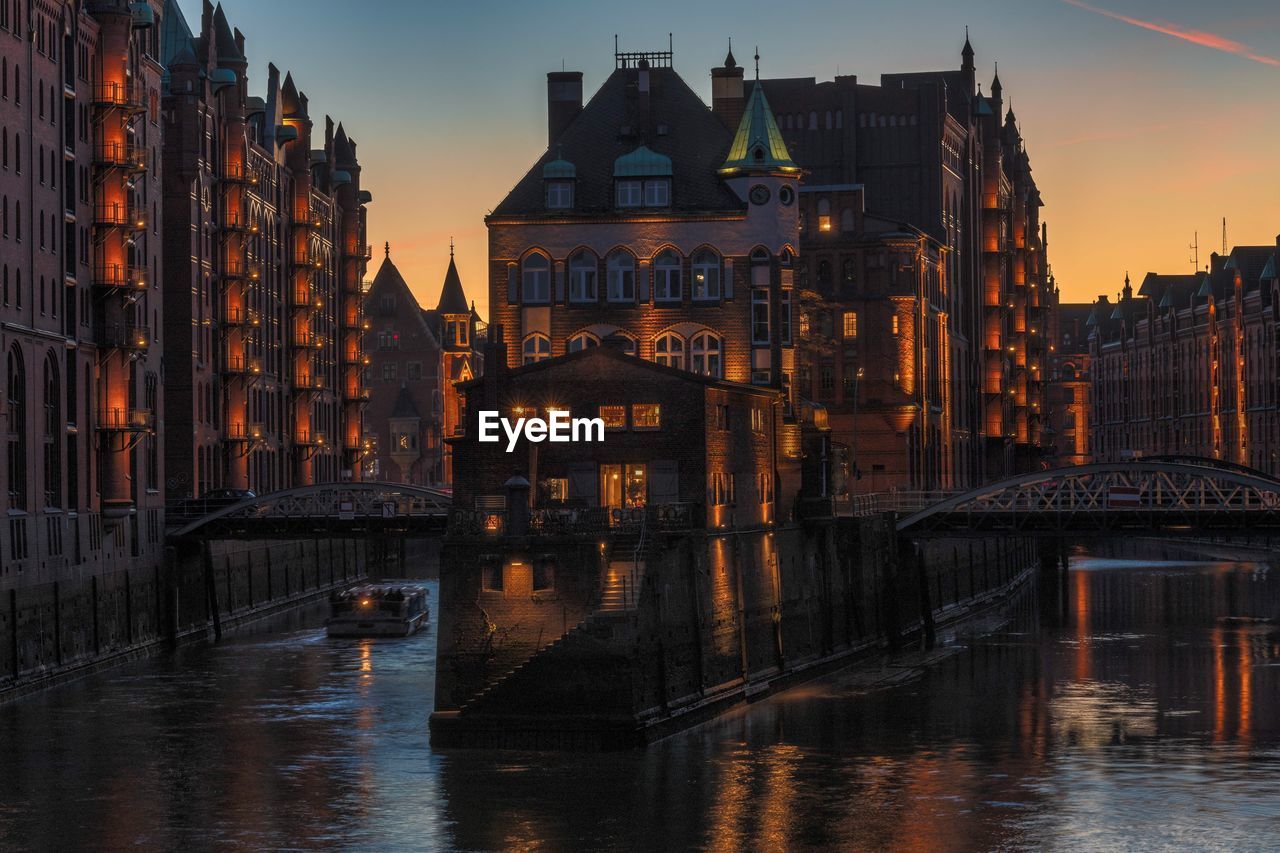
(1120,712)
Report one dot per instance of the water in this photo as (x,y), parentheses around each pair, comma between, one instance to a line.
(1127,716)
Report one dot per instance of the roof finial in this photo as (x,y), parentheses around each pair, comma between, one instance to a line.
(757,62)
(387,248)
(450,248)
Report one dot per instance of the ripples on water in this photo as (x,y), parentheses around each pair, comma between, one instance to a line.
(1124,714)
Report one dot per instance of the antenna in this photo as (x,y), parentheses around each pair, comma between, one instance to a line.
(1195,248)
(757,62)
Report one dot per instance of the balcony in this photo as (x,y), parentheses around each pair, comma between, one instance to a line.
(126,337)
(308,382)
(308,340)
(238,174)
(234,222)
(356,395)
(120,277)
(362,251)
(302,297)
(241,270)
(238,317)
(307,438)
(355,323)
(120,155)
(308,261)
(119,215)
(312,221)
(239,365)
(122,95)
(125,420)
(241,433)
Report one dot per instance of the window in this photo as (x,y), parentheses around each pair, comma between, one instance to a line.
(657,193)
(389,371)
(559,195)
(537,279)
(630,193)
(850,324)
(705,355)
(622,342)
(826,377)
(581,341)
(544,573)
(893,324)
(614,417)
(723,418)
(669,350)
(666,277)
(582,277)
(646,416)
(622,277)
(414,370)
(764,487)
(17,446)
(759,316)
(537,347)
(785,319)
(555,489)
(706,275)
(388,340)
(824,215)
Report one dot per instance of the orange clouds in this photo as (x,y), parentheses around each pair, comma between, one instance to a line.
(1200,37)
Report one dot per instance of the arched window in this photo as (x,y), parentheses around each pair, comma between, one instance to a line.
(622,277)
(582,277)
(537,347)
(666,277)
(537,279)
(813,120)
(705,354)
(16,451)
(581,341)
(622,342)
(706,275)
(668,349)
(52,433)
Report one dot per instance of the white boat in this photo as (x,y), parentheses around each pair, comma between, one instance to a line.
(377,610)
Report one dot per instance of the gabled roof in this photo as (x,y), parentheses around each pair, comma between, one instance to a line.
(680,127)
(223,37)
(389,278)
(452,298)
(758,145)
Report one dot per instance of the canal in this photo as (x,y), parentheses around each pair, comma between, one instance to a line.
(1140,709)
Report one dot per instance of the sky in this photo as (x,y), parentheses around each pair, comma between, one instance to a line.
(1147,121)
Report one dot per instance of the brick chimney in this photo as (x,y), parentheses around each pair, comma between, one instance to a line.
(564,102)
(727,97)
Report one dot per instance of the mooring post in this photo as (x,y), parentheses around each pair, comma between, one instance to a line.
(926,608)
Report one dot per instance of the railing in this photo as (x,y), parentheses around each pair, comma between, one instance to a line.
(236,269)
(594,521)
(307,438)
(356,395)
(238,223)
(244,432)
(123,276)
(876,503)
(308,261)
(238,173)
(308,382)
(238,316)
(302,297)
(126,337)
(126,155)
(239,365)
(120,215)
(125,420)
(118,94)
(311,220)
(362,251)
(308,340)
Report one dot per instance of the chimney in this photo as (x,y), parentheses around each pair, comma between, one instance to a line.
(564,102)
(643,122)
(727,98)
(495,364)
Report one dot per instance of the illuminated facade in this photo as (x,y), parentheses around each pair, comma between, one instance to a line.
(1069,388)
(926,160)
(80,181)
(265,256)
(1187,365)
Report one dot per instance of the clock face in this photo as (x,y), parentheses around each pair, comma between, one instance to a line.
(759,194)
(786,195)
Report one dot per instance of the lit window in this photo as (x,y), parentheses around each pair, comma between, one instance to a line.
(622,277)
(657,193)
(893,324)
(705,355)
(851,324)
(582,277)
(706,275)
(666,277)
(614,417)
(537,348)
(581,341)
(537,279)
(646,416)
(669,350)
(630,193)
(559,195)
(760,316)
(757,419)
(824,215)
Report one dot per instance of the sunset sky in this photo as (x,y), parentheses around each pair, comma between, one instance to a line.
(1146,120)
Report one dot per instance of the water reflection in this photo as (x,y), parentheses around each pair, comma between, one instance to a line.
(1144,716)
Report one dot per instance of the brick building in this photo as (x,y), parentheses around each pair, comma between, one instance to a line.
(80,185)
(1069,388)
(265,252)
(416,356)
(1187,365)
(919,206)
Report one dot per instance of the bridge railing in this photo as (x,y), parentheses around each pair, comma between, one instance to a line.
(580,521)
(877,503)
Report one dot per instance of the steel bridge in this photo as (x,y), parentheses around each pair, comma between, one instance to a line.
(1185,496)
(326,510)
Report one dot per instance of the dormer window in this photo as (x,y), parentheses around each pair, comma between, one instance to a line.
(630,193)
(657,193)
(642,178)
(559,195)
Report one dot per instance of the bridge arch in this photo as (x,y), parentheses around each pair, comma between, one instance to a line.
(329,502)
(1138,495)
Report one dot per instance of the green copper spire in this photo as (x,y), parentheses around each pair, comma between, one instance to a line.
(758,145)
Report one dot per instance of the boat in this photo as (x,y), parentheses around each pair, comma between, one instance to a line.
(377,610)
